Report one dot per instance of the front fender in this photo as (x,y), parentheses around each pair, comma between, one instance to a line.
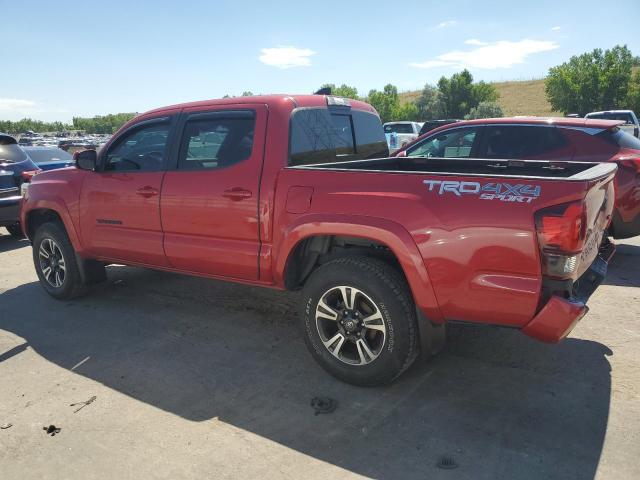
(58,205)
(389,233)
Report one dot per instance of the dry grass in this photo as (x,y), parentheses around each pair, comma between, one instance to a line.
(516,98)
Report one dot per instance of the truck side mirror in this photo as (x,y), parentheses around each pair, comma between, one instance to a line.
(86,159)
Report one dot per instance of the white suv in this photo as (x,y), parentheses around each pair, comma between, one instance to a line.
(401,133)
(630,126)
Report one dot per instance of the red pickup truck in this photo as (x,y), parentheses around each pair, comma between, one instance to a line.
(298,192)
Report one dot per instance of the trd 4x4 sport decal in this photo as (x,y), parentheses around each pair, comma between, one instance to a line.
(503,192)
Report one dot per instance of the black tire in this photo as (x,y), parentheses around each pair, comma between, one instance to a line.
(71,285)
(15,230)
(374,282)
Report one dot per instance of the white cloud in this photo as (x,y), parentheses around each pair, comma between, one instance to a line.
(475,41)
(13,104)
(556,28)
(502,54)
(447,23)
(286,57)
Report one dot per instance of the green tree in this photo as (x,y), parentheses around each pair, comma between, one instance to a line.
(633,95)
(25,124)
(385,102)
(343,90)
(102,123)
(485,110)
(405,111)
(595,80)
(460,94)
(429,104)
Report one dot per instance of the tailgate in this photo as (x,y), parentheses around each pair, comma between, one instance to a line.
(570,234)
(599,203)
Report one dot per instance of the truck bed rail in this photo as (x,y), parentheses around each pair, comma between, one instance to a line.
(541,169)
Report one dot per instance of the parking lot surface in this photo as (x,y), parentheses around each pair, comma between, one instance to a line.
(195,378)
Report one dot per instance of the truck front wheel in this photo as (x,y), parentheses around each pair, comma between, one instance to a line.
(360,321)
(55,262)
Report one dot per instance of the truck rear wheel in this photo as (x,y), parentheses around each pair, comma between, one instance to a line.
(360,320)
(55,262)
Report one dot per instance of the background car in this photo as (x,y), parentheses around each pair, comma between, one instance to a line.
(629,118)
(538,138)
(399,134)
(49,158)
(15,169)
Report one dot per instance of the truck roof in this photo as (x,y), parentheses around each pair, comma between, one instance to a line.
(273,101)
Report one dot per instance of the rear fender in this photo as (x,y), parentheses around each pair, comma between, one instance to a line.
(386,232)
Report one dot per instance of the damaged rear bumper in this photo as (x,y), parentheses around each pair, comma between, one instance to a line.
(558,317)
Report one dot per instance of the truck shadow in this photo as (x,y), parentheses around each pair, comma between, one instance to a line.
(502,405)
(8,242)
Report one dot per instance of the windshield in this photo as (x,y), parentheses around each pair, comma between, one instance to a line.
(625,117)
(12,153)
(398,128)
(49,155)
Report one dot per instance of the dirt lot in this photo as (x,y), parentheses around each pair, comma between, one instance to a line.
(200,379)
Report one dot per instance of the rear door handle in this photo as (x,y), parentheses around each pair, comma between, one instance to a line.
(147,192)
(237,194)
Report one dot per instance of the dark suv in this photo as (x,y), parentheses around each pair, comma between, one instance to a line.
(536,138)
(15,169)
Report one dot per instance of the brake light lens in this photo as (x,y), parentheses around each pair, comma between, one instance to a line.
(29,174)
(562,228)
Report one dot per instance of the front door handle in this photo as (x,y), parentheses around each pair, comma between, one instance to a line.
(237,194)
(147,192)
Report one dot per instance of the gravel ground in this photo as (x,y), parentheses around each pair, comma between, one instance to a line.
(194,378)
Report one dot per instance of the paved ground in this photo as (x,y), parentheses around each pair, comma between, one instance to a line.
(200,379)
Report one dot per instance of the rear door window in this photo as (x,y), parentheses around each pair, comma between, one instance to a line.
(522,142)
(323,135)
(221,140)
(454,143)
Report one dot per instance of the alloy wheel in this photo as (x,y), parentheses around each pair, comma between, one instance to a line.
(350,325)
(52,262)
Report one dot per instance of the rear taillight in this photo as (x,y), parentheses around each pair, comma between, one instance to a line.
(562,230)
(29,174)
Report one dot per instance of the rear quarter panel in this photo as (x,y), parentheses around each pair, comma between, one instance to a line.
(480,257)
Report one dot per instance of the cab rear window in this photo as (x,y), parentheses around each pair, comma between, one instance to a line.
(322,135)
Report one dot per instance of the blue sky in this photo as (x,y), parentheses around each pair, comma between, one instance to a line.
(66,58)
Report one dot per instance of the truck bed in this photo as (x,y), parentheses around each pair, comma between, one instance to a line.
(472,221)
(546,169)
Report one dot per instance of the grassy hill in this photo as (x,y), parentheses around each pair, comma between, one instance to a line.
(516,98)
